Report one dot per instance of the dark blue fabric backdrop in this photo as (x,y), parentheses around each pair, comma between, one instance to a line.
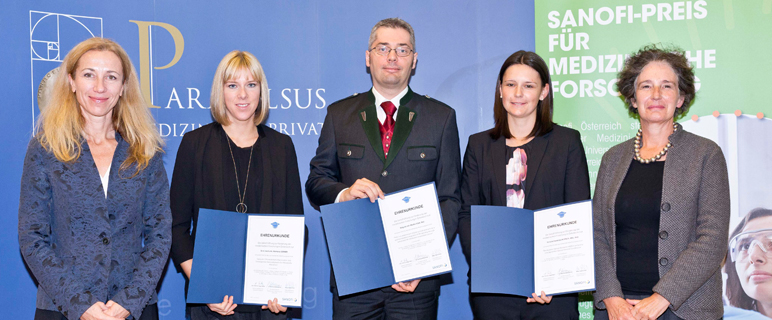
(313,53)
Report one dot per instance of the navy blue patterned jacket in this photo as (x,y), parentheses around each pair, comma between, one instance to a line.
(84,248)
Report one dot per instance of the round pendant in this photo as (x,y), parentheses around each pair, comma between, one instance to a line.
(241,208)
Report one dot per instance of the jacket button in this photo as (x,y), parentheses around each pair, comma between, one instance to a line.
(384,173)
(666,207)
(106,241)
(663,235)
(663,261)
(348,153)
(422,155)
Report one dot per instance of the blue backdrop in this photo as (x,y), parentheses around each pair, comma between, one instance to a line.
(313,53)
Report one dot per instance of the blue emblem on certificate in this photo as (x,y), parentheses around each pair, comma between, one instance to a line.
(561,214)
(406,199)
(275,224)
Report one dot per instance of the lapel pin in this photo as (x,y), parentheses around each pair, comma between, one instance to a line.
(410,116)
(364,116)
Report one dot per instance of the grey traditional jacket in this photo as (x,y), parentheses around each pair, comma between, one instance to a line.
(84,248)
(694,222)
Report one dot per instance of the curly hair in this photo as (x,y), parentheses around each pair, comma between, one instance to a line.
(673,56)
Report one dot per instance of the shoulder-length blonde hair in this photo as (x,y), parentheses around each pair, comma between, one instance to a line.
(230,65)
(60,125)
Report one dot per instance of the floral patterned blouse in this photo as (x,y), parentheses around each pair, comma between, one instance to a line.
(517,167)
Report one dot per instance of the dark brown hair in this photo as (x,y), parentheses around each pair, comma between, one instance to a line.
(734,290)
(673,56)
(543,123)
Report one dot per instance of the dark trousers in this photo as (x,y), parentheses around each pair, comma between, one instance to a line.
(498,306)
(150,313)
(382,304)
(202,312)
(668,315)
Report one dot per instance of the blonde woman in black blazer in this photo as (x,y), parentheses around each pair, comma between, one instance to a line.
(547,167)
(234,164)
(661,204)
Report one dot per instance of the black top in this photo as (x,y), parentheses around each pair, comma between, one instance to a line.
(253,180)
(637,225)
(557,174)
(204,178)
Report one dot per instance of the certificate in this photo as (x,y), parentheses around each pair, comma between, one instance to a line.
(252,257)
(274,260)
(564,258)
(396,239)
(519,251)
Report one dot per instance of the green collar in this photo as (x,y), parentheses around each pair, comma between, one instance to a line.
(406,117)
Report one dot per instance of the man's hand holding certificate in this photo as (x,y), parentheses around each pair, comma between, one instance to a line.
(519,251)
(396,239)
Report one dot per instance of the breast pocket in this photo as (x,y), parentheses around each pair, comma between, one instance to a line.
(350,151)
(422,153)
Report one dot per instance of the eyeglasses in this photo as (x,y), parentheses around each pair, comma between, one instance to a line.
(740,245)
(384,50)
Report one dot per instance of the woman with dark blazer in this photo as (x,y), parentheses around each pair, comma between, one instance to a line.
(94,220)
(661,203)
(233,164)
(525,161)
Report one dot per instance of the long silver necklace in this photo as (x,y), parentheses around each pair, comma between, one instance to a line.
(637,148)
(241,207)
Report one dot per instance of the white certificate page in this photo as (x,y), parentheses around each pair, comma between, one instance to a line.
(274,260)
(414,233)
(563,249)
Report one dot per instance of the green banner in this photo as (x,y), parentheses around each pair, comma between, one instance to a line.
(585,43)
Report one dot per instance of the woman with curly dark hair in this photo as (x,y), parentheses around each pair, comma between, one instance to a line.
(661,203)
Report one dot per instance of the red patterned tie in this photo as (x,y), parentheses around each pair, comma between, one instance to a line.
(387,127)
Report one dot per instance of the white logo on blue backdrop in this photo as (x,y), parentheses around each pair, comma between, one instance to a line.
(51,36)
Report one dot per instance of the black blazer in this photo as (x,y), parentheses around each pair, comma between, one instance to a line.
(280,189)
(424,149)
(557,174)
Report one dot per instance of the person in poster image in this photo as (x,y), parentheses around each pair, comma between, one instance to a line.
(661,204)
(524,161)
(384,140)
(748,266)
(235,163)
(94,220)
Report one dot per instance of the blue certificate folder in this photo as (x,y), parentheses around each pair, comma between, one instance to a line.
(219,256)
(357,244)
(503,250)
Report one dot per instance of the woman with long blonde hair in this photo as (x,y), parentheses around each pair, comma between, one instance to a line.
(97,252)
